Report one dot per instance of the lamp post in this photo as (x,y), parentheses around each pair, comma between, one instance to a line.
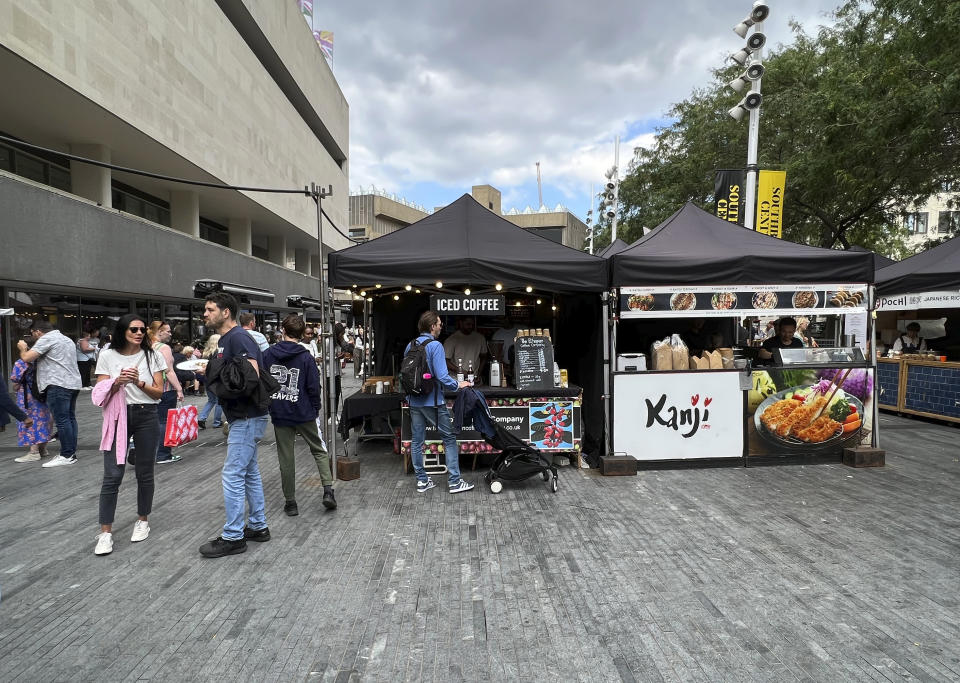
(327,379)
(751,56)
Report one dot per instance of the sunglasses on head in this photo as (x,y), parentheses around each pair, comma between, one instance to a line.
(137,329)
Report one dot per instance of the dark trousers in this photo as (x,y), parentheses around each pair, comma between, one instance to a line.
(85,367)
(168,400)
(63,404)
(142,424)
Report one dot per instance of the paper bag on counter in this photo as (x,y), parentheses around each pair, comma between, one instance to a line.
(661,355)
(702,362)
(716,360)
(681,355)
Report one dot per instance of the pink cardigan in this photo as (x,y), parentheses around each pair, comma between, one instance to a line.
(114,418)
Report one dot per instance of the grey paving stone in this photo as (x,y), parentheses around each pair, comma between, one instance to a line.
(780,573)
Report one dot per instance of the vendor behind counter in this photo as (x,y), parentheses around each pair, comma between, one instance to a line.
(783,339)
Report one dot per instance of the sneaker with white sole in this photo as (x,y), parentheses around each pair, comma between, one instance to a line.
(425,485)
(140,531)
(29,457)
(104,543)
(58,460)
(461,486)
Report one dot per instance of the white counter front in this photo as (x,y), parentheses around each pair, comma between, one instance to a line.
(682,415)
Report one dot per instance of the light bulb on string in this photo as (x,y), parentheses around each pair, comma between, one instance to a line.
(408,288)
(396,297)
(529,289)
(553,308)
(369,298)
(438,284)
(418,291)
(378,286)
(467,291)
(539,302)
(363,292)
(498,287)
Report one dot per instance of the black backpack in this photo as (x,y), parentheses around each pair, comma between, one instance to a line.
(413,367)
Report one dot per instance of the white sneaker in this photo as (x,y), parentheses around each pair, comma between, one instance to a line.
(104,543)
(461,486)
(29,457)
(140,531)
(58,460)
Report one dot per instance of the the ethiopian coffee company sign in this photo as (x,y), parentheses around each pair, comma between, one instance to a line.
(678,416)
(454,304)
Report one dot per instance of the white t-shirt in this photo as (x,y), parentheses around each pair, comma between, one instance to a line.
(111,363)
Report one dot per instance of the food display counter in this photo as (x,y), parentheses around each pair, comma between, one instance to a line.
(546,418)
(920,386)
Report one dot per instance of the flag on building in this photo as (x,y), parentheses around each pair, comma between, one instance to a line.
(770,187)
(306,7)
(325,41)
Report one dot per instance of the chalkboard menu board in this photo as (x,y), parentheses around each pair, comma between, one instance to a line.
(533,368)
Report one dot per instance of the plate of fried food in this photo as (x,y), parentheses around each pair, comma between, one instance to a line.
(806,298)
(799,419)
(640,302)
(765,300)
(683,301)
(723,301)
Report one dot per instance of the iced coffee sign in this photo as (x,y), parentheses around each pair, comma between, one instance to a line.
(678,416)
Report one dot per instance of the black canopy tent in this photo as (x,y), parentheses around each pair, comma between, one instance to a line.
(933,269)
(879,260)
(693,247)
(465,244)
(614,247)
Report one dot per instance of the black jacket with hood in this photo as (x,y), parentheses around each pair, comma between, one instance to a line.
(298,399)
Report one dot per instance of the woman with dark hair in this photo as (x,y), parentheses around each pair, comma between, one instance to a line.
(129,386)
(159,336)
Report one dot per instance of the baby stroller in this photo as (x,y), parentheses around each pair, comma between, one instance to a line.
(517,461)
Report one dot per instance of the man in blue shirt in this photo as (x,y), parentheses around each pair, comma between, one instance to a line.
(432,408)
(241,474)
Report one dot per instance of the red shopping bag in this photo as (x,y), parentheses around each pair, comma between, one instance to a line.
(182,426)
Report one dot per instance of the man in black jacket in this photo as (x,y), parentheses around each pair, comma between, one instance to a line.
(294,410)
(238,361)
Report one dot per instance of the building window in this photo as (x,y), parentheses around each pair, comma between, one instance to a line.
(949,186)
(133,201)
(214,232)
(46,169)
(948,222)
(916,223)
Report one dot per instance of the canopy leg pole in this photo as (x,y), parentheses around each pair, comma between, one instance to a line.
(605,322)
(872,346)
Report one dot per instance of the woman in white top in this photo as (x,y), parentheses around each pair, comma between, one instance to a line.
(132,366)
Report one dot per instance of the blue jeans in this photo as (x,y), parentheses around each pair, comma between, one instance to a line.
(63,404)
(241,477)
(439,417)
(212,402)
(168,401)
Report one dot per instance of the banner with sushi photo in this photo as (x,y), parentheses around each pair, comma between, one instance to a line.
(809,411)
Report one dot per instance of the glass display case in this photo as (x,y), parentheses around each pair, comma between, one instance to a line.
(840,356)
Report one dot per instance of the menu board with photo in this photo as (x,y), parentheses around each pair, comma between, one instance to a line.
(533,367)
(741,300)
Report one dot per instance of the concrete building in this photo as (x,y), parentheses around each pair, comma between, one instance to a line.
(373,215)
(232,92)
(940,215)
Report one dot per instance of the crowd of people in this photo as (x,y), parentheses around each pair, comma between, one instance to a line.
(133,375)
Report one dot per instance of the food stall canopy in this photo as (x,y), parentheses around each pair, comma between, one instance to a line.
(879,260)
(466,243)
(693,247)
(933,269)
(614,247)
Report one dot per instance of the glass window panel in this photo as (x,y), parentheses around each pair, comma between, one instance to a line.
(6,159)
(60,178)
(31,168)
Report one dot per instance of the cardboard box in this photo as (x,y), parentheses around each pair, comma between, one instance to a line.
(864,456)
(348,468)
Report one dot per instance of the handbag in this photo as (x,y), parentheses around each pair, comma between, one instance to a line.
(182,426)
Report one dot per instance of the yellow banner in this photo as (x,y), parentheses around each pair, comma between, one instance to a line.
(770,187)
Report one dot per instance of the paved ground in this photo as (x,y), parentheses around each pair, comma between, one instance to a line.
(820,573)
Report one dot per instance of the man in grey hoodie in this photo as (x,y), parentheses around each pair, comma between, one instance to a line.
(294,410)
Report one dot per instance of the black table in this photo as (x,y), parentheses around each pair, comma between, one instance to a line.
(359,406)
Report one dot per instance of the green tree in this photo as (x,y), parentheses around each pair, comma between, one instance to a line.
(864,117)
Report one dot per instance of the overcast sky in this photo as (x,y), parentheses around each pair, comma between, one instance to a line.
(445,95)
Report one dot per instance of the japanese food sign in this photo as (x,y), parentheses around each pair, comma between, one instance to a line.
(700,301)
